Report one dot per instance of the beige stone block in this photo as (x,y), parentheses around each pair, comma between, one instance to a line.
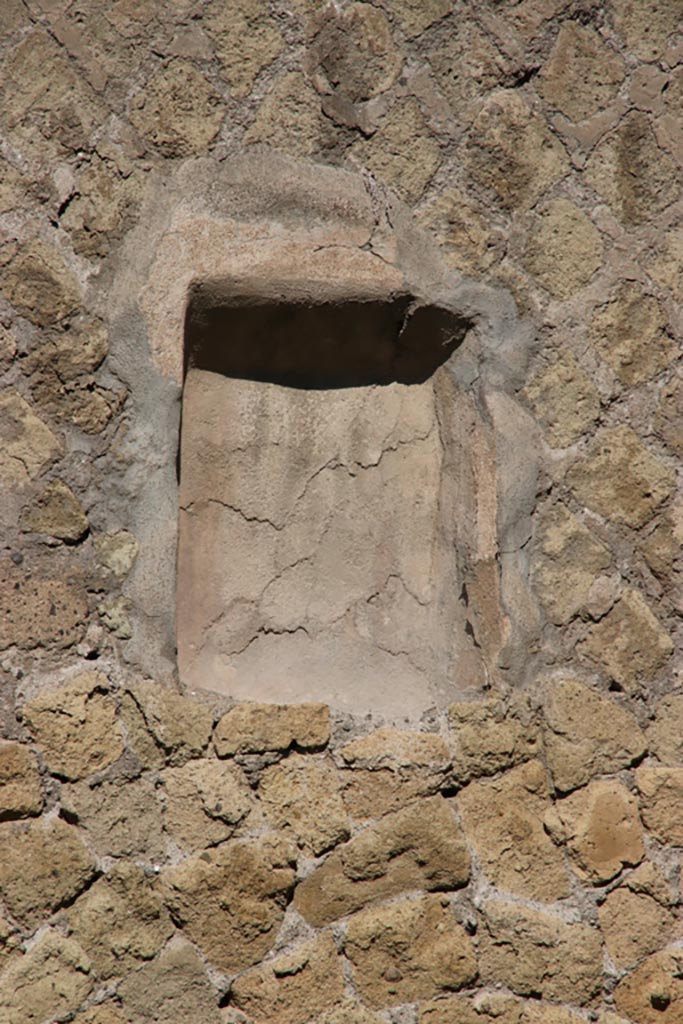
(662,547)
(178,112)
(629,334)
(629,643)
(254,877)
(512,152)
(586,734)
(76,726)
(402,153)
(354,53)
(372,794)
(490,736)
(661,793)
(39,284)
(256,728)
(173,988)
(653,993)
(582,74)
(205,801)
(533,952)
(21,791)
(302,796)
(47,983)
(665,734)
(602,829)
(350,1013)
(246,40)
(117,551)
(102,1013)
(120,921)
(668,421)
(620,479)
(408,951)
(295,988)
(567,561)
(468,240)
(564,400)
(289,117)
(396,749)
(103,204)
(414,16)
(665,264)
(647,27)
(42,866)
(634,926)
(56,512)
(503,820)
(139,738)
(120,819)
(181,726)
(563,249)
(28,444)
(467,65)
(37,611)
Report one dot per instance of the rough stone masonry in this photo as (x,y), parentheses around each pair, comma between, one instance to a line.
(380,722)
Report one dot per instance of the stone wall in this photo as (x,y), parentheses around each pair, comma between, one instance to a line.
(168,856)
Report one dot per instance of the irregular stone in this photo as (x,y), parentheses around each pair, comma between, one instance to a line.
(467,238)
(178,112)
(586,734)
(354,53)
(601,827)
(350,1013)
(36,611)
(535,953)
(289,118)
(48,982)
(253,877)
(490,737)
(629,643)
(257,728)
(102,1013)
(512,152)
(662,547)
(28,445)
(653,993)
(21,791)
(634,926)
(170,989)
(414,16)
(566,562)
(563,250)
(495,1007)
(294,988)
(647,27)
(58,513)
(402,153)
(396,749)
(648,879)
(371,794)
(467,66)
(632,173)
(114,615)
(503,820)
(665,734)
(301,796)
(408,951)
(620,479)
(101,206)
(564,400)
(246,40)
(629,334)
(76,726)
(661,793)
(39,285)
(119,819)
(117,551)
(120,920)
(581,75)
(668,421)
(178,724)
(419,847)
(205,802)
(665,264)
(139,738)
(42,866)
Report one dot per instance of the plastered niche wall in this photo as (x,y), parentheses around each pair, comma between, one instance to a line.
(327,523)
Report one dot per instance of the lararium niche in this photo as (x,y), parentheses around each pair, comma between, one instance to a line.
(317,556)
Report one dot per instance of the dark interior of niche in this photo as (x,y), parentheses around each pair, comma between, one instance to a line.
(320,346)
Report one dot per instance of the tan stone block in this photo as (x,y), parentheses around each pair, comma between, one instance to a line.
(665,264)
(253,877)
(76,726)
(256,728)
(467,66)
(396,749)
(170,989)
(302,796)
(490,737)
(512,152)
(563,249)
(414,16)
(566,562)
(620,479)
(246,40)
(56,512)
(205,802)
(490,1006)
(139,738)
(117,551)
(634,926)
(629,334)
(114,615)
(119,819)
(21,791)
(535,953)
(668,420)
(39,285)
(402,153)
(629,643)
(42,866)
(289,118)
(47,983)
(178,111)
(102,205)
(372,794)
(294,988)
(408,951)
(653,993)
(354,53)
(582,75)
(564,400)
(37,611)
(102,1013)
(503,820)
(665,734)
(630,171)
(350,1013)
(468,241)
(601,827)
(647,27)
(180,726)
(661,796)
(28,443)
(586,734)
(458,1008)
(418,847)
(662,547)
(120,920)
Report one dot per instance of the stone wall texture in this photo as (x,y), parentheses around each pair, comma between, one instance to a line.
(170,857)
